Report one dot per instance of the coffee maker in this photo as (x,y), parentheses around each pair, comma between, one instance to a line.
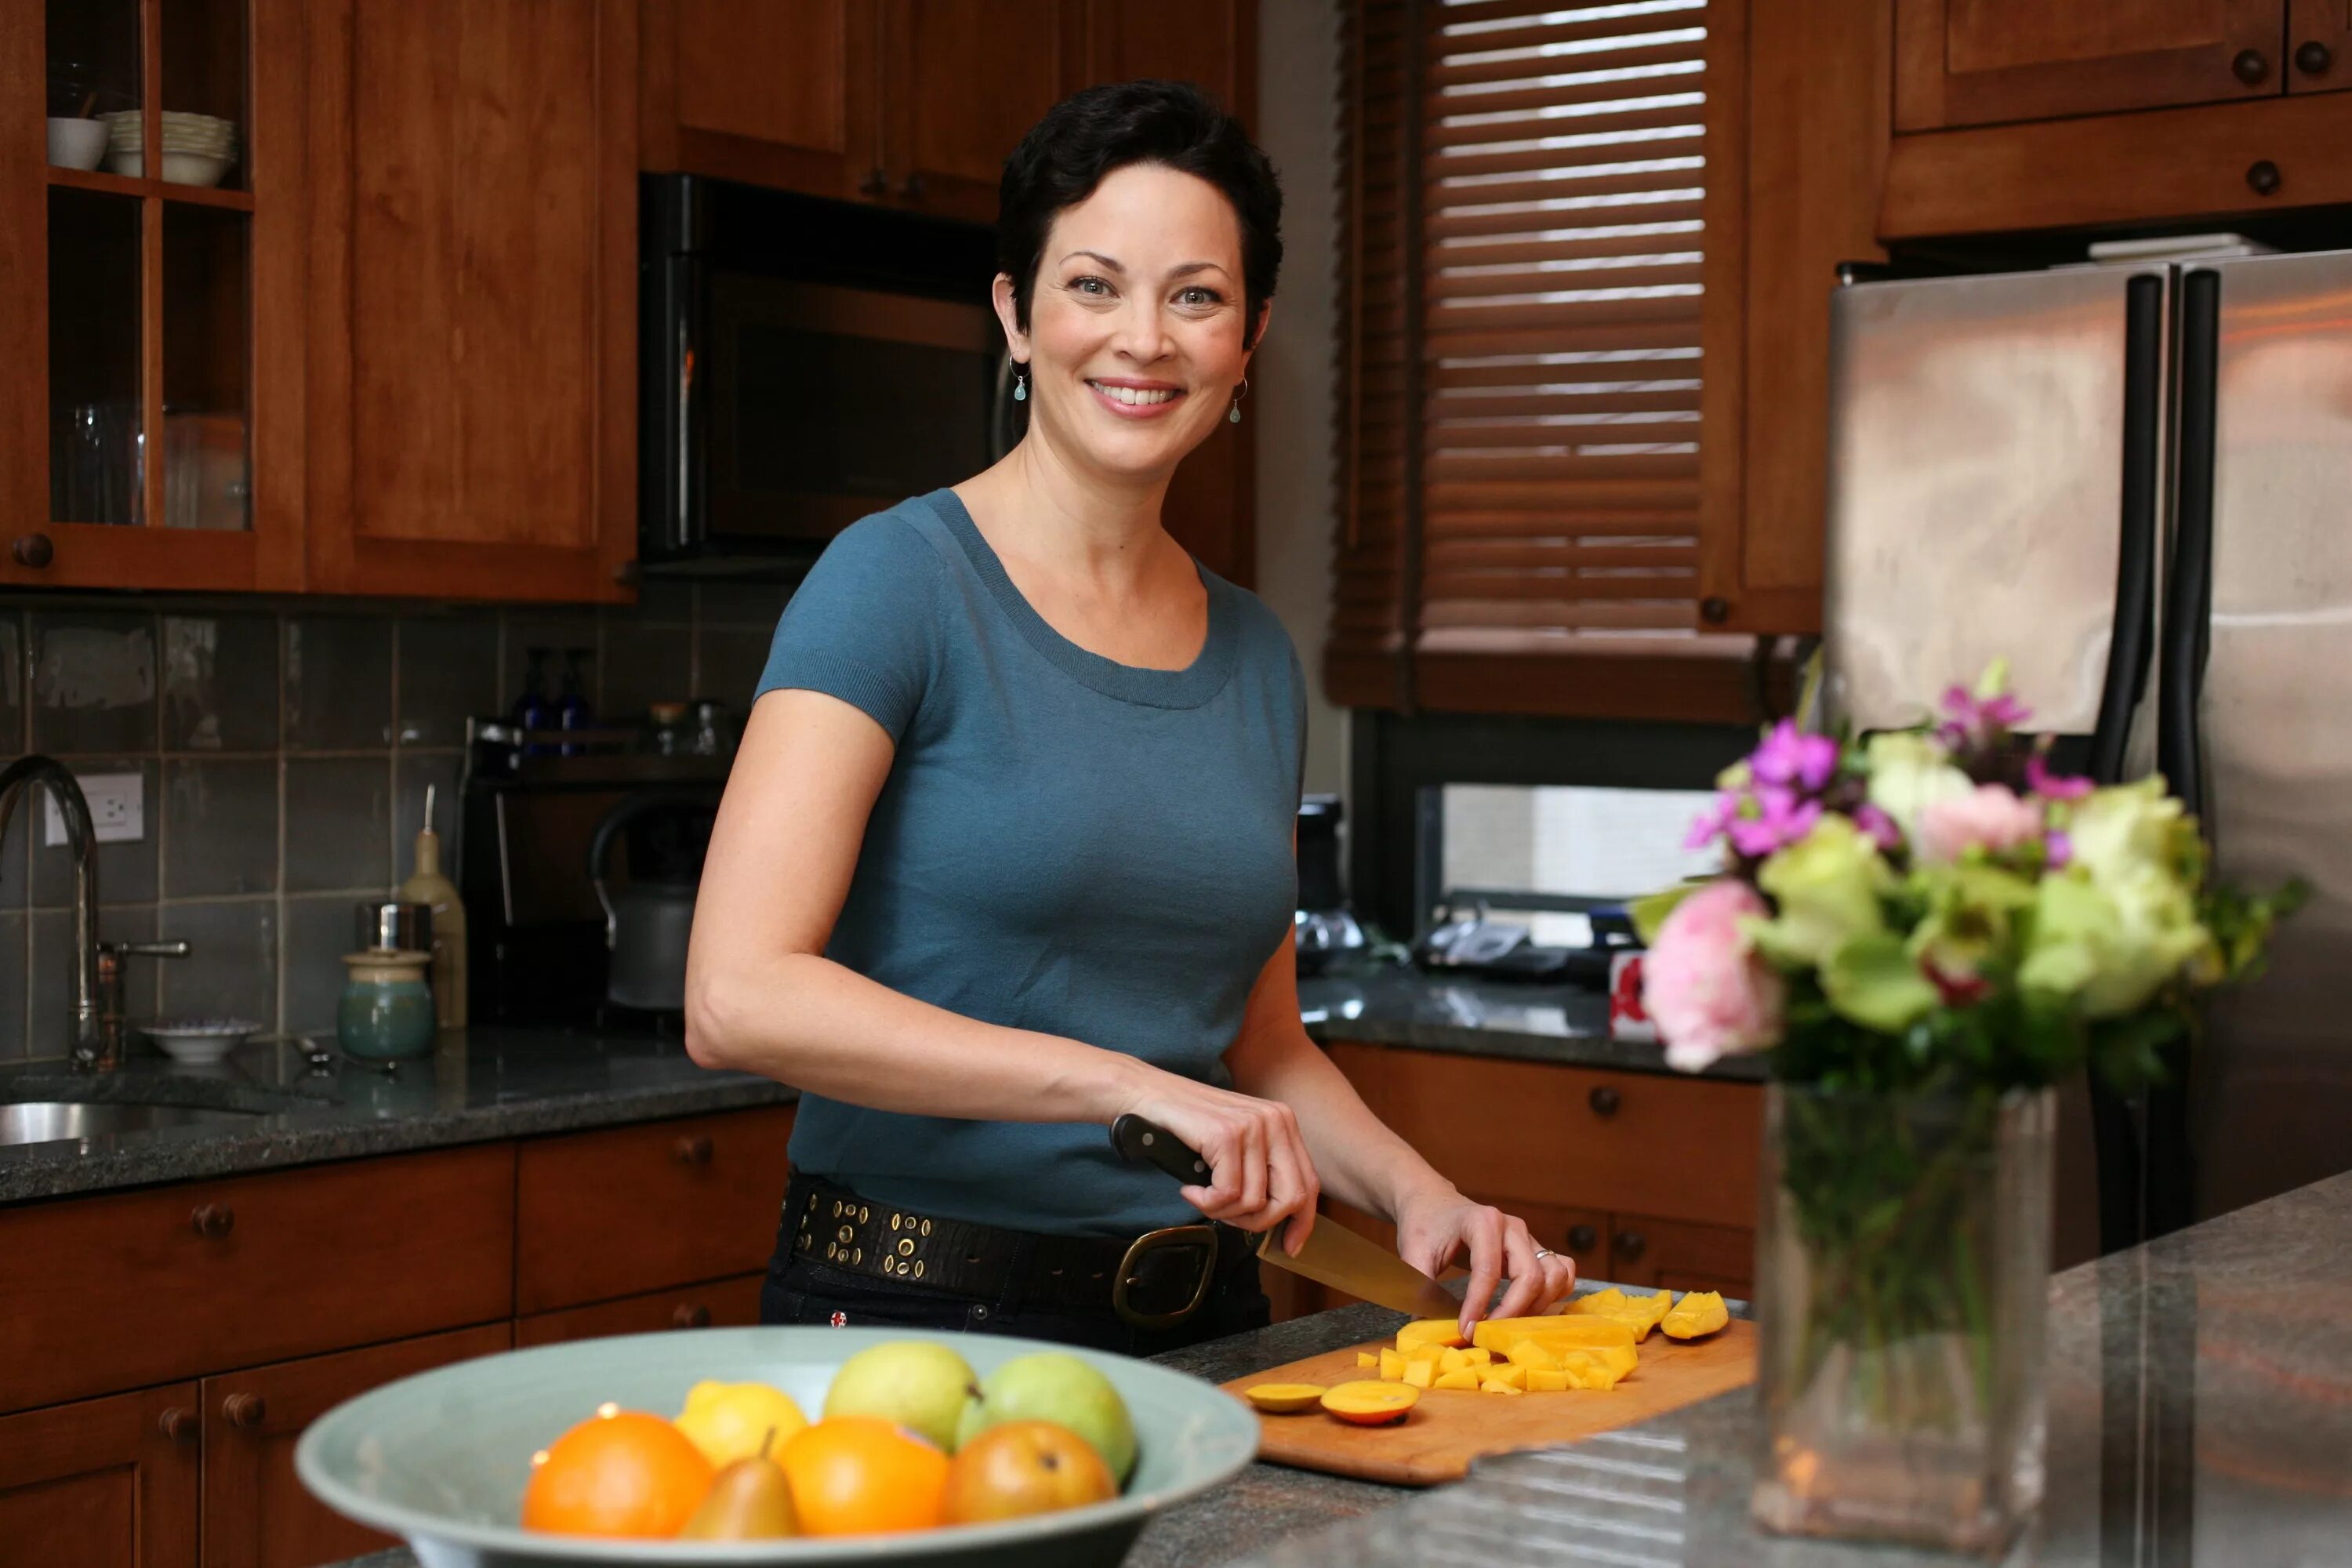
(1323,932)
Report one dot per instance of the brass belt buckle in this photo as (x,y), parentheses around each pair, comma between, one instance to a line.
(1201,1237)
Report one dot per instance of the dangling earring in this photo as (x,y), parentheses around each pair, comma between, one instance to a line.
(1020,385)
(1239,392)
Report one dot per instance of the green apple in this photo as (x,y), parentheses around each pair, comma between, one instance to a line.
(1054,1387)
(921,1384)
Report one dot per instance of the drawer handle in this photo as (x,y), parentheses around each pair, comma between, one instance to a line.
(691,1315)
(873,184)
(1582,1237)
(2264,176)
(2250,67)
(2313,58)
(245,1410)
(33,549)
(695,1150)
(178,1423)
(1630,1246)
(213,1220)
(1605,1101)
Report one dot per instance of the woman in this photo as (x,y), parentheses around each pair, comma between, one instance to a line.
(1007,849)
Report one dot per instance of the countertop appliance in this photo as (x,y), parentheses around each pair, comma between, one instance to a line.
(1323,930)
(2131,479)
(803,363)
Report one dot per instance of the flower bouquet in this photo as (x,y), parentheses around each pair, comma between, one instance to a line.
(1922,933)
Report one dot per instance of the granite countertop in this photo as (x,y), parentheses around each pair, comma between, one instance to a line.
(1388,1004)
(2200,1412)
(480,1084)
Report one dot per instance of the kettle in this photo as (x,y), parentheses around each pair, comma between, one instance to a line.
(649,917)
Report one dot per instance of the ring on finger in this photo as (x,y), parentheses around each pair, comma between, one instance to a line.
(1544,1252)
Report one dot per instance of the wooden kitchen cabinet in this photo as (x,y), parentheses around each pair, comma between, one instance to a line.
(150,430)
(718,1304)
(1981,62)
(963,80)
(257,1512)
(761,93)
(2319,46)
(472,301)
(1655,1253)
(105,1483)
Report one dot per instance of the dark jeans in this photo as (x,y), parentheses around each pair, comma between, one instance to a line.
(798,1290)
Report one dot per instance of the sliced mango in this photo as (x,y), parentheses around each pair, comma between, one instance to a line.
(1698,1313)
(1532,1352)
(1516,1376)
(1428,1352)
(1541,1380)
(1478,1355)
(1617,1360)
(1369,1403)
(1391,1367)
(1496,1333)
(1460,1377)
(1452,1361)
(1419,1373)
(1601,1302)
(1443,1332)
(1496,1386)
(1368,1361)
(1285,1398)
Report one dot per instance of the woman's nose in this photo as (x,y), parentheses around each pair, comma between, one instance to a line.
(1142,336)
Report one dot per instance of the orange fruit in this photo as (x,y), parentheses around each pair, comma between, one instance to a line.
(1024,1467)
(860,1475)
(620,1472)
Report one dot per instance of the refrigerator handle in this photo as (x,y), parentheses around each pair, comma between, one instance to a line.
(2134,644)
(2188,586)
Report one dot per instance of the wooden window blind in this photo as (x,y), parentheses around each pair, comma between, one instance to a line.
(1536,296)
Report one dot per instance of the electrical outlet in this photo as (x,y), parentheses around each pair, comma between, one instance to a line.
(118,808)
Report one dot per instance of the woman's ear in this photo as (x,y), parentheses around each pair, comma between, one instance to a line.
(1008,315)
(1264,314)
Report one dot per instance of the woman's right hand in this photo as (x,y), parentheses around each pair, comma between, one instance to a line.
(1260,1174)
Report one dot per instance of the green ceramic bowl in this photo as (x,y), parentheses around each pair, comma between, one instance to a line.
(441,1458)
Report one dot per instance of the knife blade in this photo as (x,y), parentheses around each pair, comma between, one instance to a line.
(1333,1255)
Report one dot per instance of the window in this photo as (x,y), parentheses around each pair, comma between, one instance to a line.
(1540,297)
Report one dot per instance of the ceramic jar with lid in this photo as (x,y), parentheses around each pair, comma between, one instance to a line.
(386,1012)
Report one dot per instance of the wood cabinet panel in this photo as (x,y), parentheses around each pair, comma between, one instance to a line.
(766,94)
(2175,164)
(1532,1131)
(101,1484)
(1211,46)
(963,83)
(226,1273)
(718,1304)
(257,1512)
(635,1209)
(2319,46)
(473,317)
(1658,1253)
(1581,1233)
(1978,62)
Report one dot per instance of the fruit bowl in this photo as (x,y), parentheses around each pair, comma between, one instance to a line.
(441,1459)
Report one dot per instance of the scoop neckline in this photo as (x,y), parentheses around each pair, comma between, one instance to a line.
(1186,688)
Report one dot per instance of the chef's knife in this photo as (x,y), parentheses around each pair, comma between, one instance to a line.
(1333,1255)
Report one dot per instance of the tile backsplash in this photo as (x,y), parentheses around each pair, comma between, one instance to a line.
(285,749)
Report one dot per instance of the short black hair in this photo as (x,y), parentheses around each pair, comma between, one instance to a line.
(1090,134)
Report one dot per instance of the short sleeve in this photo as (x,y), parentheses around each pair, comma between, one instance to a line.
(863,624)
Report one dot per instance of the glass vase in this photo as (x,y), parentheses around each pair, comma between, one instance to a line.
(1903,1265)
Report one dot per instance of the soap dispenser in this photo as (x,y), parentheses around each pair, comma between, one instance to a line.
(427,885)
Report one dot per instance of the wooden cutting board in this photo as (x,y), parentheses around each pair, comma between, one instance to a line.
(1450,1427)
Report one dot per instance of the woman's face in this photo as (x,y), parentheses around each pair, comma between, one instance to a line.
(1134,346)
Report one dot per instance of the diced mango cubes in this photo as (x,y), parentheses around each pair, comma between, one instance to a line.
(1516,1376)
(1419,1373)
(1442,1331)
(1366,1359)
(1543,1381)
(1497,1385)
(1464,1377)
(1391,1367)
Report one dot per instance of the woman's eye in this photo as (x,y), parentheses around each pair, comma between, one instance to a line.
(1090,286)
(1199,297)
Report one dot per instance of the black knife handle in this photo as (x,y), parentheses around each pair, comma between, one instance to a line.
(1152,1144)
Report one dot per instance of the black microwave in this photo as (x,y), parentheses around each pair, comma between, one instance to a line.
(805,363)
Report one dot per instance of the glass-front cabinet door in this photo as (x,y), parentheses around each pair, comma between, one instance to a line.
(150,293)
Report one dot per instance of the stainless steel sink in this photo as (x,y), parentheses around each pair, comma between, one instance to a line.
(58,1121)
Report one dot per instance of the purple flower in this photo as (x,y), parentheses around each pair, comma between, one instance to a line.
(1713,823)
(2049,785)
(1879,826)
(1790,756)
(2057,849)
(1783,819)
(1968,716)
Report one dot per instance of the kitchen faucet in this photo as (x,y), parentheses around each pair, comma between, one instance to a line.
(96,1028)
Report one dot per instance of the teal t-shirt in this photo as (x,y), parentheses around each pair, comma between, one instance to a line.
(1064,844)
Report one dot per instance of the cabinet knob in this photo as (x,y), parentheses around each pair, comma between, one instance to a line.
(694,1150)
(33,549)
(1605,1101)
(690,1315)
(911,188)
(1582,1237)
(1628,1246)
(245,1410)
(2264,176)
(2250,67)
(213,1220)
(2313,58)
(178,1423)
(874,183)
(1714,612)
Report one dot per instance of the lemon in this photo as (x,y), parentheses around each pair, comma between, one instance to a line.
(730,1421)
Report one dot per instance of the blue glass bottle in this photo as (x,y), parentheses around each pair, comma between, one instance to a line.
(572,710)
(532,710)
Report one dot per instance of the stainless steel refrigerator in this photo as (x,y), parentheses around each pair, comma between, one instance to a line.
(2134,480)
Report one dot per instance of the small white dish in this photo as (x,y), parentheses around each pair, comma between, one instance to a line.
(199,1042)
(179,168)
(77,143)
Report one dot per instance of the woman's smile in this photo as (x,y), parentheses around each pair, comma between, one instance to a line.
(1131,399)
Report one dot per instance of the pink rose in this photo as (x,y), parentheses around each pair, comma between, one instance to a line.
(1989,817)
(1704,986)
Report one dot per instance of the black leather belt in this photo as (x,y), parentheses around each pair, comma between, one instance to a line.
(1155,1280)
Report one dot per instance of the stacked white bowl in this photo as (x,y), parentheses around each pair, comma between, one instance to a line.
(197,148)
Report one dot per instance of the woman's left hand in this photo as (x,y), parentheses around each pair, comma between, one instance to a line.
(1436,1226)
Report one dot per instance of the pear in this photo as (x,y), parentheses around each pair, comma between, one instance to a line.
(921,1384)
(749,1501)
(1055,1386)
